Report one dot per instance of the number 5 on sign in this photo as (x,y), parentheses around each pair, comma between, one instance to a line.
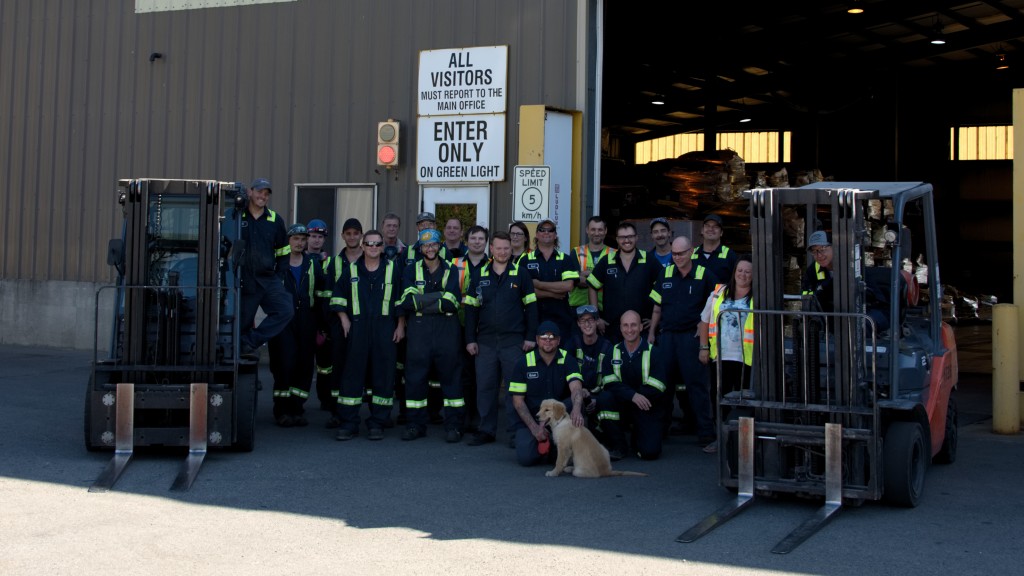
(530,193)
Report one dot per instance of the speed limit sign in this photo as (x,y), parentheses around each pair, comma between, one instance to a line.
(530,193)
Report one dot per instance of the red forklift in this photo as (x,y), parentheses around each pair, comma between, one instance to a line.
(849,399)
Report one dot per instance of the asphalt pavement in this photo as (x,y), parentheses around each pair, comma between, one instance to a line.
(302,503)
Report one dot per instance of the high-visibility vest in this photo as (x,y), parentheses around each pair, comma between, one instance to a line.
(579,296)
(819,273)
(748,329)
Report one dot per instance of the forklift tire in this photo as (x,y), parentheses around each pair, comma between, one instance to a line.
(947,454)
(904,464)
(245,411)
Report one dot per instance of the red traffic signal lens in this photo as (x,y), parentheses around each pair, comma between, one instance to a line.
(386,154)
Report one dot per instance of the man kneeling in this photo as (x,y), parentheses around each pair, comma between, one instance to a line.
(544,372)
(634,392)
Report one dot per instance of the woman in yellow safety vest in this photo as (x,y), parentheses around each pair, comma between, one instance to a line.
(729,338)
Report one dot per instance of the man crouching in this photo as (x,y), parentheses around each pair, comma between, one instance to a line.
(545,372)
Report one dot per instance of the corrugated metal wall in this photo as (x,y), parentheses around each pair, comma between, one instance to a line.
(291,91)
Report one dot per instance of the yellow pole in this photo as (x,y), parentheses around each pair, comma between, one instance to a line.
(1005,367)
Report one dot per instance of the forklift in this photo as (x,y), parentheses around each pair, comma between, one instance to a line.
(171,374)
(851,399)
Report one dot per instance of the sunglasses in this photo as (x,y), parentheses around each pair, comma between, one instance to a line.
(545,230)
(548,337)
(374,243)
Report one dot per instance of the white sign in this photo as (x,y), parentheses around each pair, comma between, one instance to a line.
(530,193)
(460,148)
(463,81)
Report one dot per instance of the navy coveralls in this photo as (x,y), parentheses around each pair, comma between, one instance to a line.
(266,250)
(555,269)
(368,298)
(431,302)
(624,289)
(623,375)
(721,261)
(292,351)
(682,300)
(537,381)
(501,309)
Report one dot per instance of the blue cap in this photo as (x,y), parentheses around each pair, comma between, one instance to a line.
(429,236)
(317,225)
(298,230)
(261,184)
(547,327)
(818,238)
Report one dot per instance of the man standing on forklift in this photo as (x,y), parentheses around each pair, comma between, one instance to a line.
(265,247)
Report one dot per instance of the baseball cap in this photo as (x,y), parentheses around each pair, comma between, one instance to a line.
(298,230)
(317,225)
(425,216)
(586,309)
(714,218)
(430,236)
(548,221)
(352,223)
(548,326)
(818,238)
(660,220)
(261,184)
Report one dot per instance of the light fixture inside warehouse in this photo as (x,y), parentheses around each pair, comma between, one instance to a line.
(856,7)
(658,101)
(1001,63)
(937,38)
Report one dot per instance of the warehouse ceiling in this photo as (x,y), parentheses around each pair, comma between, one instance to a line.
(713,64)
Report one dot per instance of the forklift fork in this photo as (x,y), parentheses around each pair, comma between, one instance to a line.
(124,438)
(745,495)
(124,433)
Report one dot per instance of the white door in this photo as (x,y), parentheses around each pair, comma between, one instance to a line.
(470,204)
(558,155)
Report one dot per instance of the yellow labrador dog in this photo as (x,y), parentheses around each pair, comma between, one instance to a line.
(589,458)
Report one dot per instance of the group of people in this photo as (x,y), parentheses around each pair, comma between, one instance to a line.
(455,327)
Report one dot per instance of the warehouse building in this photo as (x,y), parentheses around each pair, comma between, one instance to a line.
(298,91)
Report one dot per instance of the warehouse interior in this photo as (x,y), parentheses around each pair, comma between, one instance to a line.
(875,95)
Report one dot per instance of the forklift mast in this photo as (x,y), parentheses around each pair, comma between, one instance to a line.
(173,375)
(848,399)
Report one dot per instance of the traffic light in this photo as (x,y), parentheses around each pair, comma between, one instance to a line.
(387,143)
